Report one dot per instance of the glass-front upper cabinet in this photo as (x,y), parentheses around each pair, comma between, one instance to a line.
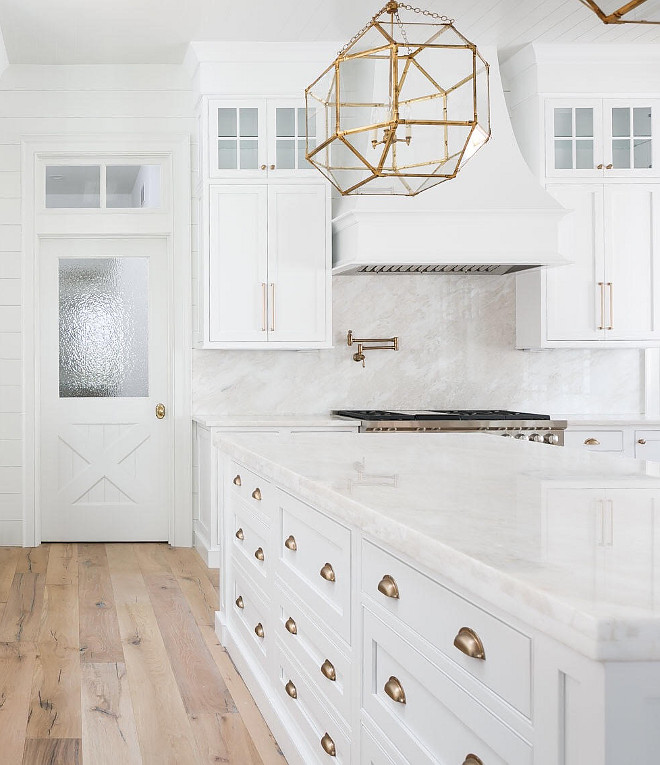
(601,138)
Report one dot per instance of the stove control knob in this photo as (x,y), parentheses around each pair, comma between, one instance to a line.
(551,438)
(506,435)
(536,437)
(521,436)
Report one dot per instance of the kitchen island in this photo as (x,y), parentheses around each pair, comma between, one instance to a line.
(444,598)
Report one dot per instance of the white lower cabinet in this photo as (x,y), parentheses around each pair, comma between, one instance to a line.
(627,441)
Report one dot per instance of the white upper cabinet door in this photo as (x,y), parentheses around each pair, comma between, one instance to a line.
(576,299)
(238,263)
(298,247)
(630,132)
(574,139)
(287,131)
(632,257)
(237,139)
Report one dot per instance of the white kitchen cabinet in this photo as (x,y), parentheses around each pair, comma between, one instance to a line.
(647,445)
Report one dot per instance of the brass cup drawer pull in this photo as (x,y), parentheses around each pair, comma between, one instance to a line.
(394,690)
(237,480)
(327,573)
(328,745)
(641,441)
(468,642)
(259,554)
(240,535)
(290,543)
(290,688)
(328,670)
(291,626)
(592,442)
(256,494)
(259,630)
(472,759)
(388,587)
(239,602)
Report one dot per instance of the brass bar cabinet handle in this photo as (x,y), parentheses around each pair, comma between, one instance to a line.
(328,670)
(327,573)
(468,642)
(291,626)
(611,322)
(472,759)
(259,554)
(290,688)
(641,441)
(328,745)
(256,494)
(240,535)
(272,305)
(290,543)
(388,587)
(160,411)
(602,305)
(237,480)
(259,630)
(592,442)
(239,602)
(264,288)
(394,690)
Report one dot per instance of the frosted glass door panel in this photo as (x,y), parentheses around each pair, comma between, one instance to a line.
(103,327)
(132,186)
(73,186)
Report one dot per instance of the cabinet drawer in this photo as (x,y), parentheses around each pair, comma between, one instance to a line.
(326,665)
(318,728)
(595,440)
(434,720)
(438,614)
(372,753)
(249,539)
(246,611)
(259,494)
(316,564)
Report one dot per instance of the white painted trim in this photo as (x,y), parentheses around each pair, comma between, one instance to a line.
(177,150)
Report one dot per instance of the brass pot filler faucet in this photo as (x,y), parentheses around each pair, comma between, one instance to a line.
(383,344)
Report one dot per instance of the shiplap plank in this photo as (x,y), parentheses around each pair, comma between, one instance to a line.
(11,532)
(10,184)
(16,668)
(10,236)
(11,423)
(10,343)
(10,158)
(11,480)
(11,453)
(10,320)
(10,399)
(10,209)
(11,509)
(10,373)
(10,262)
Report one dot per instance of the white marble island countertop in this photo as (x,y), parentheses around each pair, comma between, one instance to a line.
(568,542)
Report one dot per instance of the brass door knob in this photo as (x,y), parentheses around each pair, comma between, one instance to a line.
(291,626)
(468,642)
(328,745)
(592,442)
(290,688)
(472,759)
(388,587)
(240,535)
(239,602)
(237,480)
(641,441)
(263,167)
(327,573)
(394,690)
(290,543)
(160,411)
(272,167)
(259,554)
(259,630)
(328,670)
(256,494)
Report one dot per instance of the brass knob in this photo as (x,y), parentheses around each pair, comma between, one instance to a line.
(641,441)
(256,494)
(272,167)
(470,643)
(592,442)
(600,167)
(290,543)
(327,573)
(388,587)
(259,554)
(394,690)
(239,602)
(328,745)
(237,480)
(160,411)
(290,688)
(328,670)
(263,167)
(240,535)
(472,759)
(259,630)
(609,167)
(291,626)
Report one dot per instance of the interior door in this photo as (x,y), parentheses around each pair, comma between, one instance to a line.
(105,456)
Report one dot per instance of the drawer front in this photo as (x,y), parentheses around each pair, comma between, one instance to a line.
(433,720)
(245,619)
(318,569)
(595,440)
(249,539)
(258,493)
(438,615)
(372,753)
(317,727)
(308,643)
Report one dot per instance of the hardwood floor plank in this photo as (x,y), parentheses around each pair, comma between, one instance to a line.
(20,620)
(16,669)
(33,560)
(109,736)
(8,561)
(55,699)
(153,558)
(99,630)
(196,585)
(125,574)
(224,738)
(62,564)
(52,751)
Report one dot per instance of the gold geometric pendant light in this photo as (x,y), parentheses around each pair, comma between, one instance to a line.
(402,108)
(613,12)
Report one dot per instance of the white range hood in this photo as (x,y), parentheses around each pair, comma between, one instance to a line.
(493,218)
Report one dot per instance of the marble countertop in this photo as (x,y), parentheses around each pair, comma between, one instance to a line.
(610,420)
(566,541)
(273,421)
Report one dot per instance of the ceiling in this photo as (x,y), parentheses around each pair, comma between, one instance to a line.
(158,31)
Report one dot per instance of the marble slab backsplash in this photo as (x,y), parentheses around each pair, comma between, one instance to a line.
(457,350)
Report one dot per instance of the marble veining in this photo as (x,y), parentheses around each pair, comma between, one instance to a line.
(566,541)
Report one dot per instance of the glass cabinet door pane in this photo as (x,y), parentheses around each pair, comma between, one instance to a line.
(642,154)
(584,123)
(621,153)
(563,123)
(621,122)
(285,123)
(642,121)
(227,159)
(302,161)
(227,123)
(73,186)
(103,327)
(249,155)
(285,154)
(563,155)
(584,154)
(249,123)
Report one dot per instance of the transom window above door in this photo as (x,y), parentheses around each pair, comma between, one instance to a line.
(104,186)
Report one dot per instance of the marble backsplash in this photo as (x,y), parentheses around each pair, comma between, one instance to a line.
(456,335)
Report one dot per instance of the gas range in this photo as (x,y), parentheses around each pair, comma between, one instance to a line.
(521,425)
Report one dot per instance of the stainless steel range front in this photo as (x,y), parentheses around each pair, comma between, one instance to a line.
(520,425)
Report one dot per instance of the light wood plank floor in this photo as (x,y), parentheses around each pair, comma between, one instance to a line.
(108,655)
